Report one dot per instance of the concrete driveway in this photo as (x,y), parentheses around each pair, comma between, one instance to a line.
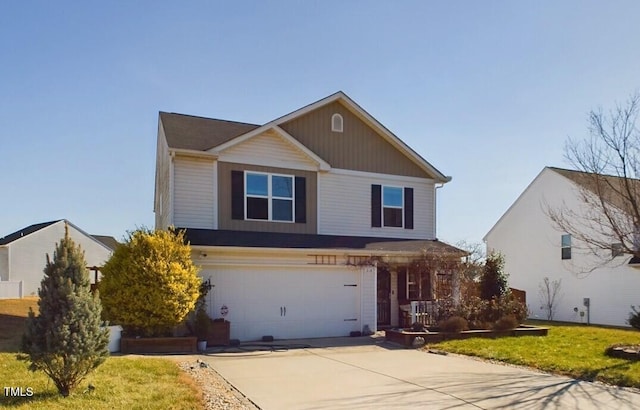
(336,374)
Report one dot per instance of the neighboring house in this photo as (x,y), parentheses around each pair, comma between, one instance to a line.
(534,249)
(23,255)
(306,225)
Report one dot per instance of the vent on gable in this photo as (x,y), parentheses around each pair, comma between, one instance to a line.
(336,123)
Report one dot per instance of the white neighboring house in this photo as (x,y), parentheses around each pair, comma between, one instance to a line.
(23,255)
(534,249)
(285,218)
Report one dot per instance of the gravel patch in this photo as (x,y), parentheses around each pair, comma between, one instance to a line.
(218,394)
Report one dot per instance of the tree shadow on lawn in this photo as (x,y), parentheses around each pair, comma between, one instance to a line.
(11,335)
(8,401)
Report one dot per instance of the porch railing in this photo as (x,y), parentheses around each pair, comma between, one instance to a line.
(424,312)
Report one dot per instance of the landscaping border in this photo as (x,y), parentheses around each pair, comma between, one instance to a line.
(407,337)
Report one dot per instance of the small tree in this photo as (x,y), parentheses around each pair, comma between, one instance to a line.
(150,284)
(493,283)
(634,318)
(549,294)
(65,339)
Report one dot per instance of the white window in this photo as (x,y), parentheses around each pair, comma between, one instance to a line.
(392,206)
(336,123)
(566,246)
(269,197)
(616,250)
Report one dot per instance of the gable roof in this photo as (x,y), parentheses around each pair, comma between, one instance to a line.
(582,179)
(108,241)
(610,186)
(198,133)
(204,134)
(25,231)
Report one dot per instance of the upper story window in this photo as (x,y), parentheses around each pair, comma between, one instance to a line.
(269,197)
(616,250)
(566,246)
(391,206)
(263,196)
(336,123)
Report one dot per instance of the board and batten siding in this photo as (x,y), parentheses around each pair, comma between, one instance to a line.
(359,147)
(268,149)
(163,180)
(224,188)
(345,205)
(194,195)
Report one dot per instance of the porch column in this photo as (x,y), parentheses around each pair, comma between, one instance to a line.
(395,322)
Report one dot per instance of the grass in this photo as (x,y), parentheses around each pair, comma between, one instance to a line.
(120,383)
(576,351)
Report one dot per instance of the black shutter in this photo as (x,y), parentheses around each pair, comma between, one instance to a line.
(301,200)
(237,195)
(402,284)
(408,208)
(376,206)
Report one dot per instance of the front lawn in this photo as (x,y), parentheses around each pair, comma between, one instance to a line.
(119,383)
(573,350)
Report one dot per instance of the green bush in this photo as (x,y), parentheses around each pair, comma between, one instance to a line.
(150,284)
(454,324)
(506,323)
(493,283)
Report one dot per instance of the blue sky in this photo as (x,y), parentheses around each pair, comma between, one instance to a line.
(486,91)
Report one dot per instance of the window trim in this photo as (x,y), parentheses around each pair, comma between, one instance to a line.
(563,247)
(337,123)
(401,207)
(269,197)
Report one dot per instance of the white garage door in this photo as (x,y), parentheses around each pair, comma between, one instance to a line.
(286,302)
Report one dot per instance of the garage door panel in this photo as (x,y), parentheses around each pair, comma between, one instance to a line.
(286,302)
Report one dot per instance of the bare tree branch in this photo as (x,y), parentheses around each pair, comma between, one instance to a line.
(608,181)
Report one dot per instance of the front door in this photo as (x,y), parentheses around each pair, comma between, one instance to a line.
(384,299)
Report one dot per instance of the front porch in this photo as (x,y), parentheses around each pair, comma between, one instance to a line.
(413,292)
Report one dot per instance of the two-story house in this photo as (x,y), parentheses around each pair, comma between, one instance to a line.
(23,255)
(596,286)
(305,225)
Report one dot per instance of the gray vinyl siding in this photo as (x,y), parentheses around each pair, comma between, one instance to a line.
(194,196)
(358,147)
(345,206)
(224,185)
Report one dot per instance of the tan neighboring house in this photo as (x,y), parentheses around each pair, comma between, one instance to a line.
(23,255)
(306,225)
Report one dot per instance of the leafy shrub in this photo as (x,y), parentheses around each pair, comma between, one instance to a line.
(150,284)
(506,323)
(454,324)
(65,340)
(634,318)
